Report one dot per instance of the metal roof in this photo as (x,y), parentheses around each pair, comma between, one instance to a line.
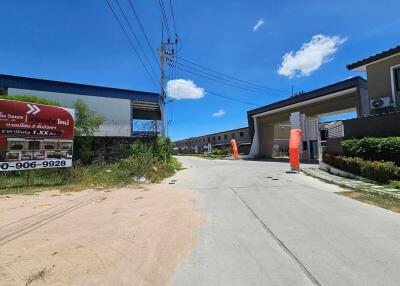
(336,87)
(374,58)
(12,81)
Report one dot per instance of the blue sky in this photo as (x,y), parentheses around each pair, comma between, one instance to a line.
(80,41)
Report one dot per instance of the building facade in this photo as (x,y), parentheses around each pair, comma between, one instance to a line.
(220,140)
(121,109)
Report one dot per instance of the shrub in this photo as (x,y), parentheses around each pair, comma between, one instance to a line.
(375,170)
(379,171)
(373,148)
(30,99)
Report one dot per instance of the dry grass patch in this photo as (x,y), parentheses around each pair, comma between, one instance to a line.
(386,202)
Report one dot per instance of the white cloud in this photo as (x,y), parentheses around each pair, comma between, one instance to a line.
(219,113)
(310,56)
(184,89)
(260,22)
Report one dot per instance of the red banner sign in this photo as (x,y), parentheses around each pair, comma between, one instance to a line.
(35,136)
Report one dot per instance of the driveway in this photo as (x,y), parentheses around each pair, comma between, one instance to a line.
(266,227)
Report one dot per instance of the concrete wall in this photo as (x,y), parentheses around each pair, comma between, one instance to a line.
(117,112)
(379,78)
(382,125)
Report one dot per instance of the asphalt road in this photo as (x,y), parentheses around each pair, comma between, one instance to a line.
(266,227)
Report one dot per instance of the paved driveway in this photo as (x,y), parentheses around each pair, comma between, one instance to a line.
(266,227)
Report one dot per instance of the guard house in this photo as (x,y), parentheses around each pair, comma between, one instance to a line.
(303,112)
(127,113)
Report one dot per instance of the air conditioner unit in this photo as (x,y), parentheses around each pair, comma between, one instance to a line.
(381,102)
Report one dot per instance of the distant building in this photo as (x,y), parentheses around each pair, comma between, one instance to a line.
(217,140)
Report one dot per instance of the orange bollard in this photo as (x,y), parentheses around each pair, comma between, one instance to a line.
(234,149)
(294,149)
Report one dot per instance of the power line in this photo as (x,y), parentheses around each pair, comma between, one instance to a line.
(136,38)
(218,81)
(226,81)
(173,16)
(143,31)
(221,96)
(164,17)
(231,77)
(130,42)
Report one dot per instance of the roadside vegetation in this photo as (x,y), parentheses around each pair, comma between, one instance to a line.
(377,159)
(216,153)
(145,161)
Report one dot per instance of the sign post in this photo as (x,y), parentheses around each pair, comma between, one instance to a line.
(35,136)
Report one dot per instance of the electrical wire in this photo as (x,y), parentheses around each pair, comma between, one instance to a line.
(231,77)
(225,97)
(164,17)
(130,42)
(143,31)
(227,81)
(137,40)
(218,81)
(173,15)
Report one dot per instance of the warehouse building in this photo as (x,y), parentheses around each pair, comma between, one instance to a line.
(126,113)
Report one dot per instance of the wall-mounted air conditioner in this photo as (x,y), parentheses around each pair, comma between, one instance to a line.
(381,102)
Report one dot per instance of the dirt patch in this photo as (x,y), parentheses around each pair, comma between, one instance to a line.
(385,202)
(123,237)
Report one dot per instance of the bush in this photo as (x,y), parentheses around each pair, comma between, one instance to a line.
(375,170)
(373,148)
(30,99)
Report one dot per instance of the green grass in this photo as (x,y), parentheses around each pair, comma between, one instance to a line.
(96,175)
(393,185)
(208,157)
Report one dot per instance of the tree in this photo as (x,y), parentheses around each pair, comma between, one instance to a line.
(87,121)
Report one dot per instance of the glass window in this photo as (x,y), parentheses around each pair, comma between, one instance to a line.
(397,79)
(241,134)
(219,137)
(225,136)
(233,135)
(33,145)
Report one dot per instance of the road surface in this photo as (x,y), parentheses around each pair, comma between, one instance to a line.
(266,227)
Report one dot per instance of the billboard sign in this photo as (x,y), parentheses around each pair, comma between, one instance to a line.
(34,136)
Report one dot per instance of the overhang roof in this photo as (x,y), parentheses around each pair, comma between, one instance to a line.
(333,88)
(360,65)
(19,82)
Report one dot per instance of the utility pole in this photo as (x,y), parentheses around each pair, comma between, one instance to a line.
(162,92)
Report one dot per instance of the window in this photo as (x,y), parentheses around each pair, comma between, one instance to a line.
(396,72)
(33,145)
(241,134)
(233,135)
(219,137)
(204,139)
(225,136)
(208,139)
(213,138)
